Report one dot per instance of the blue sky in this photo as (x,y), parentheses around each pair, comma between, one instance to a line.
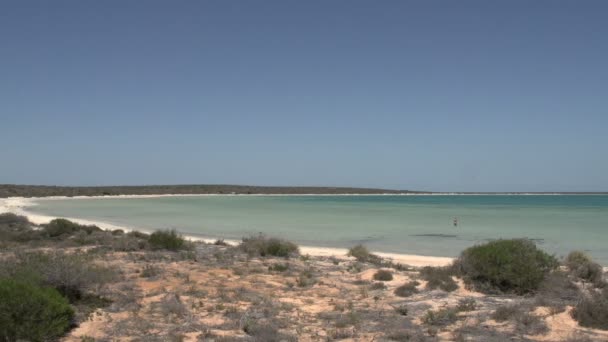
(426,95)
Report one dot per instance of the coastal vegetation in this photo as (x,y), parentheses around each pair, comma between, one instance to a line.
(13,190)
(383,275)
(30,312)
(505,266)
(167,239)
(86,284)
(261,245)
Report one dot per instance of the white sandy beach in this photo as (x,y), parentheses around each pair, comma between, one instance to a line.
(19,206)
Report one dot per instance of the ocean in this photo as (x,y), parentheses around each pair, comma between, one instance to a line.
(412,224)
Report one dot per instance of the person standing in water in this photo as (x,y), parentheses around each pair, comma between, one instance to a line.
(455,221)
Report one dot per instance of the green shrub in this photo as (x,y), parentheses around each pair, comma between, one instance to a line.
(362,254)
(13,222)
(439,277)
(407,289)
(71,274)
(150,271)
(62,227)
(138,235)
(507,266)
(506,312)
(592,310)
(383,275)
(32,313)
(583,267)
(167,239)
(16,228)
(260,245)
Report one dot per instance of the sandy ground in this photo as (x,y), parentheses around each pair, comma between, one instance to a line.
(19,205)
(218,299)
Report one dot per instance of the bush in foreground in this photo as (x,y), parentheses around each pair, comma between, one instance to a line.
(592,310)
(505,266)
(261,245)
(167,239)
(581,266)
(16,228)
(72,274)
(32,313)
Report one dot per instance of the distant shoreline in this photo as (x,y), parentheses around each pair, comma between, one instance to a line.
(19,206)
(40,191)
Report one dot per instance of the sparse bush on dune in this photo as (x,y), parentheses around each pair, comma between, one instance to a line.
(443,316)
(583,267)
(167,239)
(505,266)
(13,221)
(362,254)
(71,274)
(32,313)
(17,228)
(556,291)
(59,227)
(383,275)
(439,277)
(407,289)
(592,310)
(260,245)
(520,314)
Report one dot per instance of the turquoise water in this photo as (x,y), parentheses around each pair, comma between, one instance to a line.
(400,224)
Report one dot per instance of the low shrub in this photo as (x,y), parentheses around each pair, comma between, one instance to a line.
(16,228)
(362,254)
(306,278)
(167,239)
(278,267)
(592,310)
(443,316)
(32,313)
(138,235)
(505,266)
(261,245)
(220,242)
(556,291)
(377,286)
(583,267)
(62,227)
(383,275)
(466,304)
(507,311)
(71,274)
(407,289)
(439,277)
(519,313)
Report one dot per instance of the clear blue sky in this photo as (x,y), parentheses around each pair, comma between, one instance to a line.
(428,95)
